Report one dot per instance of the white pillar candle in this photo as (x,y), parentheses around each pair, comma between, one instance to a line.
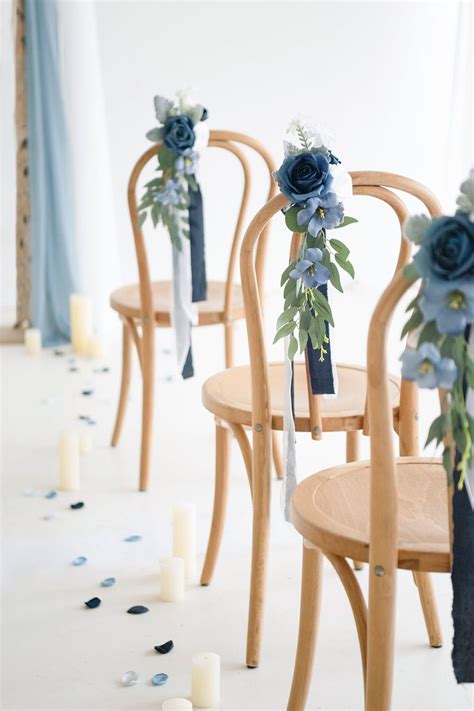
(85,442)
(33,340)
(171,579)
(176,705)
(184,536)
(206,680)
(80,307)
(69,479)
(96,347)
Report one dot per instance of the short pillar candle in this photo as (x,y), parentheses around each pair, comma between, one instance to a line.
(171,579)
(80,307)
(206,680)
(184,536)
(176,705)
(33,340)
(69,478)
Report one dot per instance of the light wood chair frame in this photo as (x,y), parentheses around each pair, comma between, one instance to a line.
(142,330)
(375,623)
(378,185)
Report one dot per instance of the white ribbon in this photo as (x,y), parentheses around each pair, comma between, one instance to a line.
(184,313)
(290,481)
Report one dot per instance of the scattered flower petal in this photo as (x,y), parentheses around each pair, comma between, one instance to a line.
(159,679)
(132,539)
(108,582)
(73,369)
(129,678)
(51,495)
(165,648)
(93,602)
(80,560)
(84,417)
(137,610)
(57,352)
(78,505)
(49,517)
(87,392)
(90,421)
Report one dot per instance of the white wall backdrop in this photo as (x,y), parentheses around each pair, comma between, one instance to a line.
(391,80)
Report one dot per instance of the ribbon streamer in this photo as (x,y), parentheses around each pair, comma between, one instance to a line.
(462,575)
(196,236)
(322,376)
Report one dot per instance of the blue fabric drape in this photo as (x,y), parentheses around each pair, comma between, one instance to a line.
(52,221)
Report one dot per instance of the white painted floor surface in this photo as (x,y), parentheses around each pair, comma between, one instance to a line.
(59,655)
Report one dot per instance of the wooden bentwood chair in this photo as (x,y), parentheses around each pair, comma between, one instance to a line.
(391,512)
(145,306)
(252,396)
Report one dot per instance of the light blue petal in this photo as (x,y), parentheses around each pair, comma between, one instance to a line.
(313,254)
(322,274)
(80,560)
(159,679)
(133,538)
(428,380)
(447,373)
(315,225)
(451,322)
(428,351)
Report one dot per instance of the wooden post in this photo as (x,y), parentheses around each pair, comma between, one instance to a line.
(23,247)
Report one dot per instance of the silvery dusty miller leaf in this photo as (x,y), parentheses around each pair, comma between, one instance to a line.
(164,648)
(93,602)
(159,679)
(137,610)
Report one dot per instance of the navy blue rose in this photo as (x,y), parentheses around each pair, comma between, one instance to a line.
(447,250)
(178,133)
(304,176)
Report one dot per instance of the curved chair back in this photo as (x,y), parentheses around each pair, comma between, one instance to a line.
(378,185)
(229,141)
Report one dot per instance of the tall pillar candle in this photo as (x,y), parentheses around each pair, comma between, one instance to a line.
(184,536)
(206,680)
(96,347)
(33,340)
(69,478)
(80,307)
(171,579)
(176,705)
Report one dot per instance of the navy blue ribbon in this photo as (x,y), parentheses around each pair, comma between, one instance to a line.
(198,262)
(320,372)
(462,577)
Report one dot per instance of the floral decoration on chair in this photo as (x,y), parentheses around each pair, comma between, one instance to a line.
(166,198)
(440,314)
(313,179)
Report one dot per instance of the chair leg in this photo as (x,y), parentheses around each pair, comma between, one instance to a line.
(357,601)
(229,343)
(277,457)
(148,376)
(310,604)
(220,501)
(352,455)
(124,385)
(381,638)
(424,583)
(261,479)
(245,449)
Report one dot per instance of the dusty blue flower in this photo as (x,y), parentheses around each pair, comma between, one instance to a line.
(187,162)
(178,133)
(326,212)
(169,195)
(427,368)
(450,304)
(303,176)
(310,269)
(447,249)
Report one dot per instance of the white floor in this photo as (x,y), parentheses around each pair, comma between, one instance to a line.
(59,655)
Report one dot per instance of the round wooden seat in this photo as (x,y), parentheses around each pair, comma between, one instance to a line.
(126,301)
(331,510)
(229,395)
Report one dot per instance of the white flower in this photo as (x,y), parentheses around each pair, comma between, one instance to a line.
(162,108)
(185,100)
(342,182)
(465,201)
(416,227)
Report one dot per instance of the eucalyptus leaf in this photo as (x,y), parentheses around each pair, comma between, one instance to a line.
(292,348)
(410,272)
(346,265)
(341,249)
(347,221)
(285,330)
(166,158)
(291,221)
(335,278)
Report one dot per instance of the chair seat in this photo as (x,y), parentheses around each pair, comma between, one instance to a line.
(229,395)
(126,301)
(331,510)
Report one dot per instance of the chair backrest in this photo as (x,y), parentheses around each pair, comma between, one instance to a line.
(229,141)
(376,184)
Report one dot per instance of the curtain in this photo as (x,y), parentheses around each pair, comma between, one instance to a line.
(54,270)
